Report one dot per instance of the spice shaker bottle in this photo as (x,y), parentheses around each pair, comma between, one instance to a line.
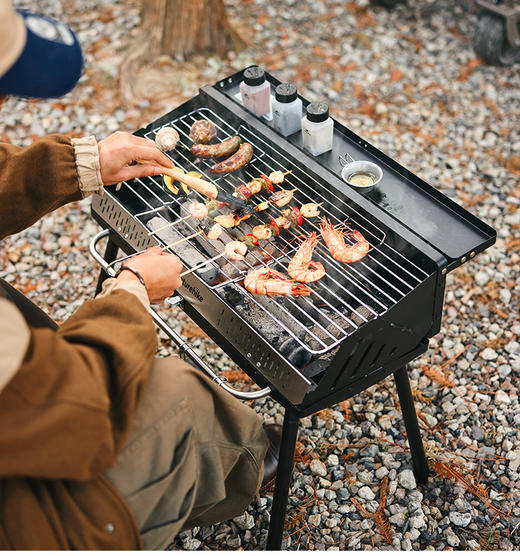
(287,109)
(317,129)
(256,91)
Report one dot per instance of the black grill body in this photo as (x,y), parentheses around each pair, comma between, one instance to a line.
(417,236)
(363,322)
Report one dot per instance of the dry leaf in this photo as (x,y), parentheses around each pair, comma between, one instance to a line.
(337,85)
(396,75)
(513,164)
(468,69)
(317,50)
(191,330)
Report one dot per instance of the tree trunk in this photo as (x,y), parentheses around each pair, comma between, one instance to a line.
(178,28)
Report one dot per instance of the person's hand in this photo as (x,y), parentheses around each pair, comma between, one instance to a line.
(159,270)
(118,151)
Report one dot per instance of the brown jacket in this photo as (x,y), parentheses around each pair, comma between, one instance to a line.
(66,410)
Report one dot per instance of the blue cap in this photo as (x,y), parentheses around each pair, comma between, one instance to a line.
(50,63)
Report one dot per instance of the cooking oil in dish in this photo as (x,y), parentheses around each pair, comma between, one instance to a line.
(362,178)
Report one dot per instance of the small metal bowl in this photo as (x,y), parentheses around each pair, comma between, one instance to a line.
(362,174)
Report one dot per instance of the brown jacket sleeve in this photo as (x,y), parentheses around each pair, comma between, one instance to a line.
(66,412)
(35,180)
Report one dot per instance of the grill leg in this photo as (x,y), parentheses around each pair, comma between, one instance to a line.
(109,256)
(420,465)
(283,480)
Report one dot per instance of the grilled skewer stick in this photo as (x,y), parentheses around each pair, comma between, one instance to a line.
(277,176)
(210,229)
(234,251)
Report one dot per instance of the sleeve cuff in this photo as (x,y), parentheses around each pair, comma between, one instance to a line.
(133,287)
(87,162)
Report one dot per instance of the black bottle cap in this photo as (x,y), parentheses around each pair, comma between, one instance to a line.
(254,76)
(317,112)
(286,92)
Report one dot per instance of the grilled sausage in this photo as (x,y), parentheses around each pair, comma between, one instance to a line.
(235,161)
(217,150)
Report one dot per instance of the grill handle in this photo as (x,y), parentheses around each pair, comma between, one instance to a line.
(184,347)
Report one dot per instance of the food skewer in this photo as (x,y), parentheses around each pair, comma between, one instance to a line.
(210,229)
(196,210)
(181,240)
(201,265)
(234,250)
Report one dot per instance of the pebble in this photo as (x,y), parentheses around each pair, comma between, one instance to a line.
(317,467)
(191,544)
(459,519)
(366,493)
(502,397)
(245,521)
(407,479)
(489,354)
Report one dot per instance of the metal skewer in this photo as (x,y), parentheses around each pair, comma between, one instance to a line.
(201,265)
(181,240)
(169,224)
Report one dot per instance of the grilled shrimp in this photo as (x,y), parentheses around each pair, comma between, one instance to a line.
(301,267)
(268,281)
(198,210)
(235,250)
(335,241)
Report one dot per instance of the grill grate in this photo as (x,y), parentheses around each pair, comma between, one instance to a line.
(348,297)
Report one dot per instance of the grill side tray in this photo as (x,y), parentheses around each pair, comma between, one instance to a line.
(422,209)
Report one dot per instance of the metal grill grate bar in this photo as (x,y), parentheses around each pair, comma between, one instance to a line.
(375,283)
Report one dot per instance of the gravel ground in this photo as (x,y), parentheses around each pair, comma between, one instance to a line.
(407,80)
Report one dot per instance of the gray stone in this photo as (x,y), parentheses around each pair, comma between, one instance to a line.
(191,544)
(317,467)
(489,354)
(460,519)
(245,521)
(366,493)
(407,479)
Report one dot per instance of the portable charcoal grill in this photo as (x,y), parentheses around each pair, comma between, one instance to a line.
(362,322)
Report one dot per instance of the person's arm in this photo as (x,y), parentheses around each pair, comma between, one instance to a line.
(66,410)
(35,180)
(56,169)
